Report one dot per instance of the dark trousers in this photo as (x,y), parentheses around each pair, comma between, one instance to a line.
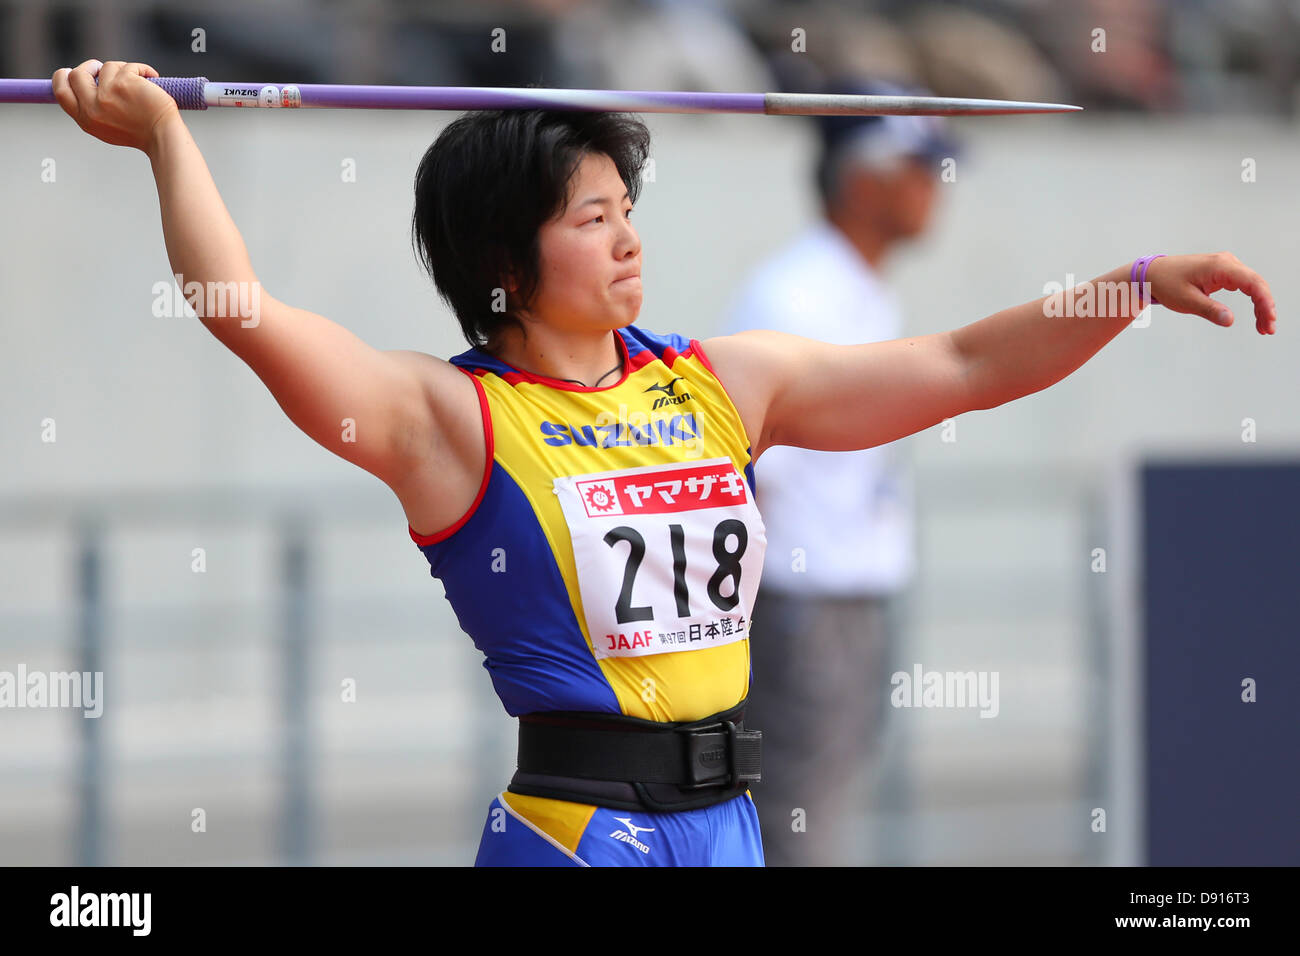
(818,694)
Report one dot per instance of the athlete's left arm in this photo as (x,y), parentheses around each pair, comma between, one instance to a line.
(811,394)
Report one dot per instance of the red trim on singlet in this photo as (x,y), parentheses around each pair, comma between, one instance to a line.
(427,539)
(630,365)
(697,350)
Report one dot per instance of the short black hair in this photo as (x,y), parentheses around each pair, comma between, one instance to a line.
(485,187)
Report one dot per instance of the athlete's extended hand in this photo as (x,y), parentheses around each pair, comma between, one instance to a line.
(1184,284)
(122,109)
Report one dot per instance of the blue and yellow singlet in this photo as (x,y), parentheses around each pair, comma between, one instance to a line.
(611,558)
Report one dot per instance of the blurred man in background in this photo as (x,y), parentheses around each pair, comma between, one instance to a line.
(839,524)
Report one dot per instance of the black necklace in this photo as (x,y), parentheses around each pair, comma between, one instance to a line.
(598,381)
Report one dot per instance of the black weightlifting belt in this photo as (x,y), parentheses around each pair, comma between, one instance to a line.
(627,763)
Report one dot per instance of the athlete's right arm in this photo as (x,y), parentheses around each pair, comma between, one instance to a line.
(373,408)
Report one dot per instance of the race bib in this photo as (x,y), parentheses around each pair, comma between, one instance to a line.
(668,556)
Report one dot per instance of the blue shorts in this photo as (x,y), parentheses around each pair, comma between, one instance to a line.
(536,831)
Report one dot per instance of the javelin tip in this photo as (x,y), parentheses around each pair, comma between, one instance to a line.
(849,104)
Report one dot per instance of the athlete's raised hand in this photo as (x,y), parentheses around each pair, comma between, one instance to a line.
(1184,284)
(122,108)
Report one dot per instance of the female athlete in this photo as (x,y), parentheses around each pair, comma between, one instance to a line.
(584,488)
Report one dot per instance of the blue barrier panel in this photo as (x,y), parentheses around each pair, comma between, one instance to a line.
(1221,573)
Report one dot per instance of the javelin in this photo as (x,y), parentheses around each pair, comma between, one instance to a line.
(198,93)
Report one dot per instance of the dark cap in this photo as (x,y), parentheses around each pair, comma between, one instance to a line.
(884,138)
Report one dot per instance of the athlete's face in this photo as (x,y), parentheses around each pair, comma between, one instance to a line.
(586,251)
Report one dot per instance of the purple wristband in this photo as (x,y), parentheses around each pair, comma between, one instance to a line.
(1141,280)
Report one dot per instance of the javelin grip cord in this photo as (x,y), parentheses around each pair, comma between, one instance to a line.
(187,91)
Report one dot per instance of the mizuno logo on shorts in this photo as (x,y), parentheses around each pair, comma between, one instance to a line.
(623,836)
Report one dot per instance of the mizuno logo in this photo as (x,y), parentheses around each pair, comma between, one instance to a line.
(666,389)
(669,398)
(633,828)
(623,836)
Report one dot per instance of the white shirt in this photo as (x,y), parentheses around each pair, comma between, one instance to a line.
(838,522)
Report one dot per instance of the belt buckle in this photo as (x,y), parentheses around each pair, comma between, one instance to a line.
(707,756)
(744,744)
(718,751)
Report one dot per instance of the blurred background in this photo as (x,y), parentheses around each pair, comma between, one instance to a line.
(226,687)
